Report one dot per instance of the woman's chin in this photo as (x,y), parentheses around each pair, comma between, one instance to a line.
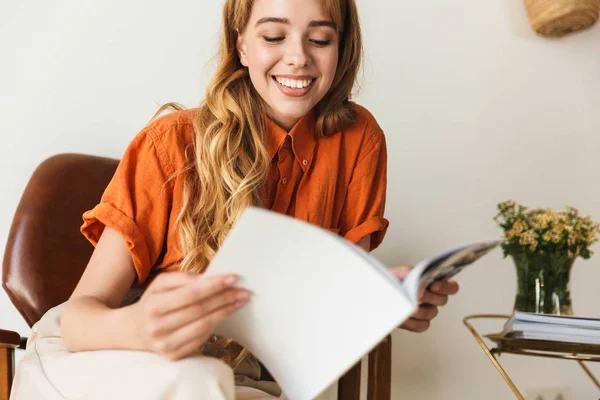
(292,113)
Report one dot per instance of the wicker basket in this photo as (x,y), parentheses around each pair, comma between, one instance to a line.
(559,17)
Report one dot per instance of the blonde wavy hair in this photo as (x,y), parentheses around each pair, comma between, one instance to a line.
(228,161)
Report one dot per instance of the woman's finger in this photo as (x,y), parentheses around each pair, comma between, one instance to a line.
(415,325)
(195,292)
(184,316)
(448,288)
(171,280)
(425,312)
(434,299)
(196,333)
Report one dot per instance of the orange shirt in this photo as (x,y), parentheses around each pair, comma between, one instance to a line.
(337,182)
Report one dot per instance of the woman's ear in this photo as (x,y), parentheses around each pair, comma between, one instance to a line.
(241,49)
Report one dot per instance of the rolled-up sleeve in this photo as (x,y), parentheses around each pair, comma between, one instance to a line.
(363,211)
(136,203)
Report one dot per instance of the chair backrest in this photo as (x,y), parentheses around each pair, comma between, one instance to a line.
(45,253)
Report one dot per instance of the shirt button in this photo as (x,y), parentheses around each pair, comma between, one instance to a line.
(286,144)
(284,181)
(305,162)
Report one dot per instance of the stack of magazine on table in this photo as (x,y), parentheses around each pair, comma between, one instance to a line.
(558,328)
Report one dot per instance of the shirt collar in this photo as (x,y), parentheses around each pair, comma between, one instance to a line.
(303,135)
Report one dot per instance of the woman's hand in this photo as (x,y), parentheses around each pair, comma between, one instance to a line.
(436,296)
(179,311)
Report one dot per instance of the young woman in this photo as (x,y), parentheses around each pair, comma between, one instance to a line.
(277,130)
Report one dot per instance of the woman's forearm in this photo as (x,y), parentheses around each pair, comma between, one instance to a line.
(89,324)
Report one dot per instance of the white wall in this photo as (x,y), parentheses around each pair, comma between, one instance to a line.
(477,109)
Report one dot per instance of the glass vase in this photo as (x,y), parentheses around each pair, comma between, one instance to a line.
(543,283)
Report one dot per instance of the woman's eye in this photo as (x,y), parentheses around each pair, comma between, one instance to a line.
(273,39)
(321,43)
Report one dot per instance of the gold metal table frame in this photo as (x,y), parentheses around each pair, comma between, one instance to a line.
(537,348)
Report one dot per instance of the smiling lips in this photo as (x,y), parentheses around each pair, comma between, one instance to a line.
(295,86)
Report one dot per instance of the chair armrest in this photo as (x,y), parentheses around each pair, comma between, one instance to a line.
(9,339)
(379,382)
(380,371)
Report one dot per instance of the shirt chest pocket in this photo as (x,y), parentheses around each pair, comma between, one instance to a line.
(320,203)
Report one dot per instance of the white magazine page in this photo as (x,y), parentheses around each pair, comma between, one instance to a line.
(374,262)
(317,306)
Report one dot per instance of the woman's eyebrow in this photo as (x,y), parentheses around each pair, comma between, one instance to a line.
(316,24)
(272,19)
(278,20)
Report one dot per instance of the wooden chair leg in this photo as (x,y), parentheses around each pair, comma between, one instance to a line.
(380,371)
(349,384)
(7,369)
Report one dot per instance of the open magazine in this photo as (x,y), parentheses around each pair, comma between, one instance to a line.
(319,303)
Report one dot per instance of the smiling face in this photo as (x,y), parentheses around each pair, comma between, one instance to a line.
(291,50)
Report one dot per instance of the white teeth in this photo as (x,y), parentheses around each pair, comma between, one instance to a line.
(294,84)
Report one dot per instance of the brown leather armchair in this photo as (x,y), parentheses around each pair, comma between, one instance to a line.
(46,254)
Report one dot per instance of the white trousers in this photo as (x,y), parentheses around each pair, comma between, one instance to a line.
(49,371)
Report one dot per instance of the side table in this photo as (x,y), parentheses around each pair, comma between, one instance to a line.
(579,352)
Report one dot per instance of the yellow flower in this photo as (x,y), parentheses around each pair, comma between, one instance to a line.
(543,219)
(529,238)
(555,238)
(544,230)
(519,226)
(533,246)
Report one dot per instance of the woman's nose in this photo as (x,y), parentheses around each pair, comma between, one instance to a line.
(296,55)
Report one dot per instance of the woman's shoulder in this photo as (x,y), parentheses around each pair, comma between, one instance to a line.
(172,126)
(171,136)
(364,126)
(362,114)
